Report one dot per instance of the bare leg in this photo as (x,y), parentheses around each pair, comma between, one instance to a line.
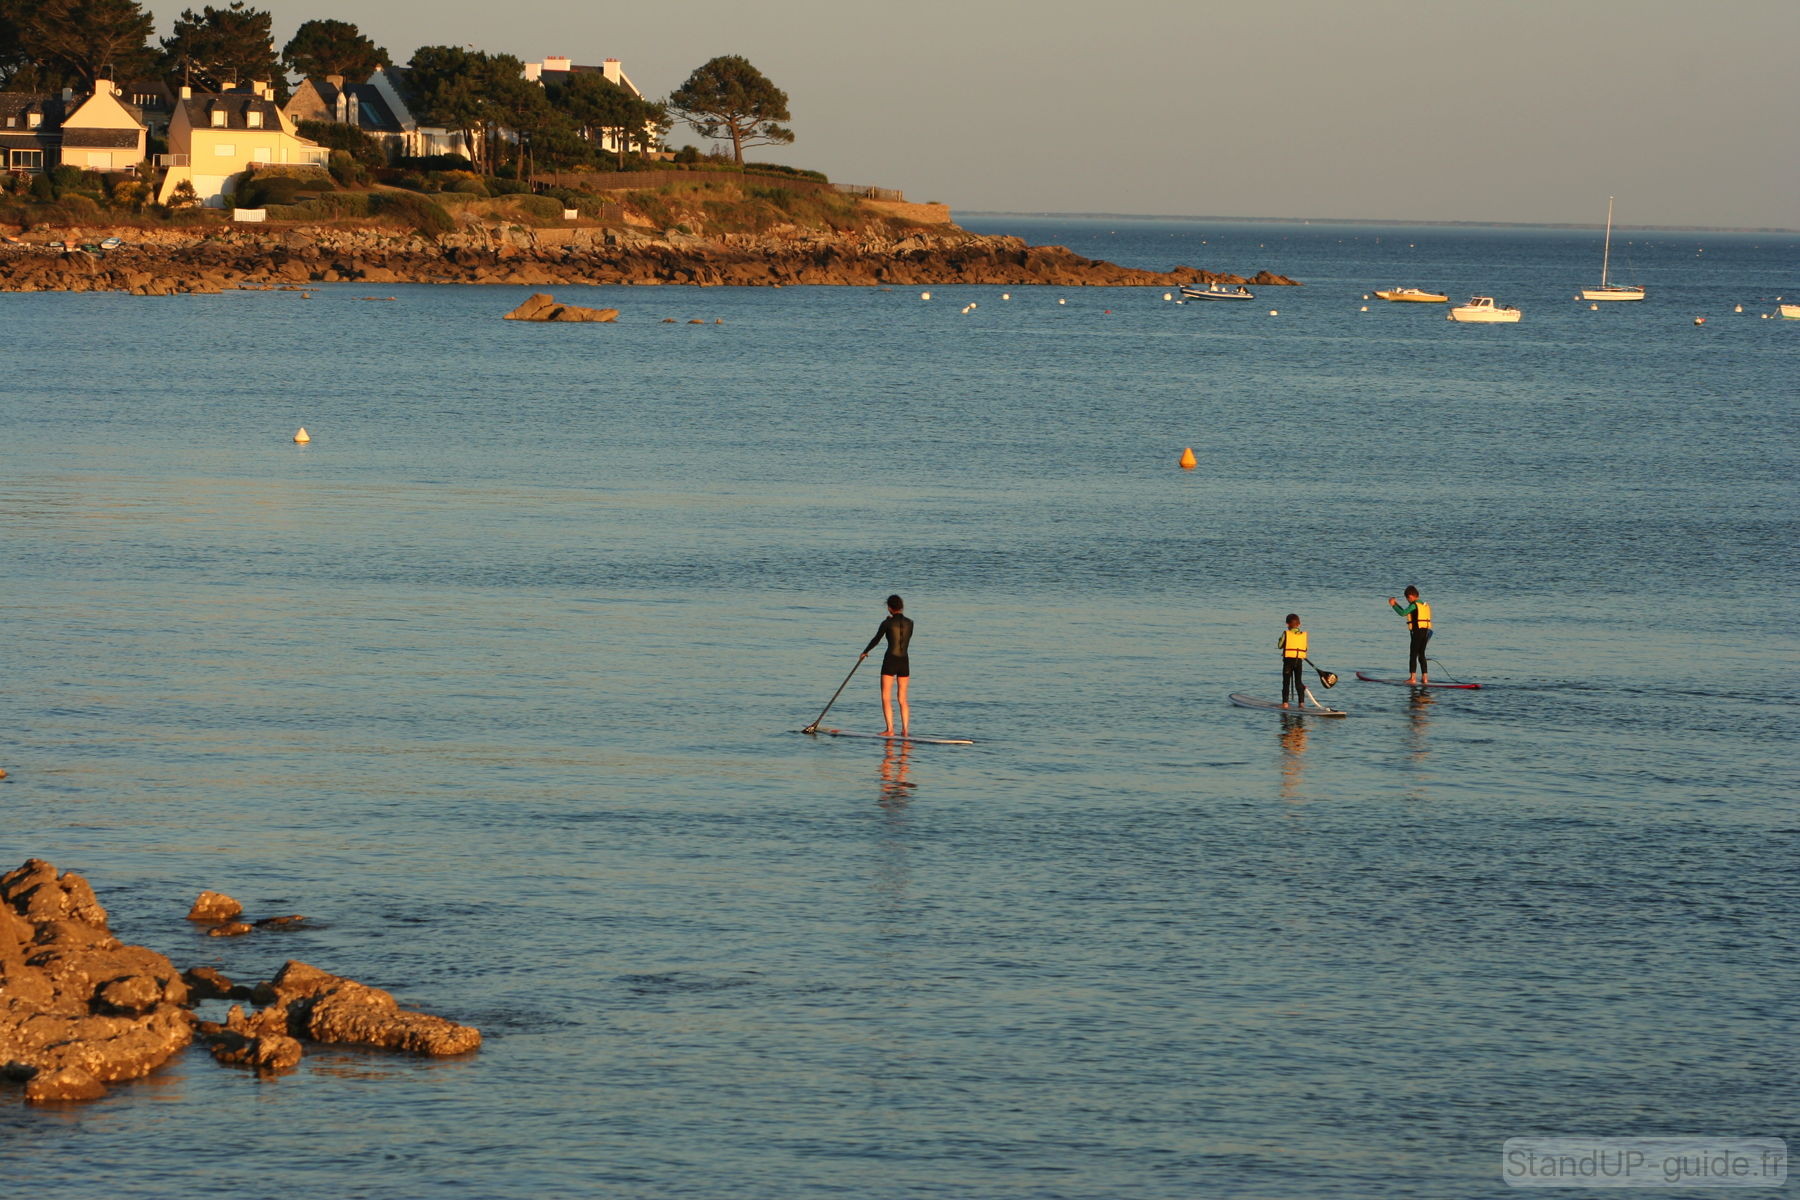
(887,706)
(905,712)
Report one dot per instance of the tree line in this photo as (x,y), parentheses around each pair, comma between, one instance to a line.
(46,45)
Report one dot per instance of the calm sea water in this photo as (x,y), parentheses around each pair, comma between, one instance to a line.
(496,680)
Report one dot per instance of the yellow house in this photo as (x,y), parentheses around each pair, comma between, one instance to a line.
(104,134)
(216,136)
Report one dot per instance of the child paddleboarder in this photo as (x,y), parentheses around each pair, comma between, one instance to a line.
(896,671)
(1293,657)
(1418,620)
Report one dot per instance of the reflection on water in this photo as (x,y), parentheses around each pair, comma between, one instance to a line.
(896,789)
(1293,757)
(1418,713)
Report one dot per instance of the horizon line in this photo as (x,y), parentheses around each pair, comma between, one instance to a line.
(1382,221)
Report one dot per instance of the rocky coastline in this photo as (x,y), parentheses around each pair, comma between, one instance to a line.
(176,260)
(80,1009)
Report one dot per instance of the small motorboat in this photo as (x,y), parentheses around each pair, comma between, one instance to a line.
(1483,310)
(1213,291)
(1790,312)
(1414,296)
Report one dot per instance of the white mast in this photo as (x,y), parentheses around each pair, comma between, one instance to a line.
(1606,254)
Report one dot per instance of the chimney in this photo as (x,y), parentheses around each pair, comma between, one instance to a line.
(105,87)
(336,81)
(355,113)
(556,62)
(187,93)
(68,95)
(612,70)
(263,88)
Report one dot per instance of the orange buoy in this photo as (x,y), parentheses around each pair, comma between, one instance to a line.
(1188,461)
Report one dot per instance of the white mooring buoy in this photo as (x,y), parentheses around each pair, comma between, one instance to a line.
(301,437)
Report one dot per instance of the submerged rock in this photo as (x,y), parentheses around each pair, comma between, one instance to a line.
(214,906)
(543,307)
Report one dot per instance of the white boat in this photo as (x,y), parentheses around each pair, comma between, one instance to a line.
(1790,312)
(1413,296)
(1213,291)
(1482,309)
(1607,290)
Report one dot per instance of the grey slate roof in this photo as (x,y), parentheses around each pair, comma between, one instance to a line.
(20,105)
(101,139)
(235,105)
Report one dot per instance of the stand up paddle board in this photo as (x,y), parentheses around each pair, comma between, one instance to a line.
(890,737)
(1368,678)
(1299,710)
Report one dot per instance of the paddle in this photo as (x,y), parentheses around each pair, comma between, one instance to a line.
(814,727)
(1328,678)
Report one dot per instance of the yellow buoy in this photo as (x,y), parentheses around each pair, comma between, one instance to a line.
(924,295)
(1699,320)
(301,437)
(1274,312)
(1739,308)
(1188,461)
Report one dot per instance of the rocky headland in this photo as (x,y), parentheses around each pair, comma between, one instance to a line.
(164,261)
(80,1009)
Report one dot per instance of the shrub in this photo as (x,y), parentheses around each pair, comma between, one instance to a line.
(688,154)
(43,188)
(507,187)
(184,196)
(346,170)
(436,162)
(424,216)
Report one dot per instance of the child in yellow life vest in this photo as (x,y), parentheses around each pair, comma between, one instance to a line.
(1418,619)
(1293,657)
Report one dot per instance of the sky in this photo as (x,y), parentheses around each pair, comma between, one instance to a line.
(1456,110)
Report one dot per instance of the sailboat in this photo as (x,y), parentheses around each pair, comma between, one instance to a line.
(1606,290)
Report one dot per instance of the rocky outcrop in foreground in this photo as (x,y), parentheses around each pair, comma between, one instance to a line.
(79,1009)
(162,262)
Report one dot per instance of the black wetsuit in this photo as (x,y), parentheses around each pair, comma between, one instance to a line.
(897,629)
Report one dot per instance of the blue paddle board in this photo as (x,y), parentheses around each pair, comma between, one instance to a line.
(1368,678)
(1298,710)
(892,737)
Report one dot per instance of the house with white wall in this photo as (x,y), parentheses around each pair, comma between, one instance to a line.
(216,136)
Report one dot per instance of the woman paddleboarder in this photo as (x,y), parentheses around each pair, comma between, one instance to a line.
(895,670)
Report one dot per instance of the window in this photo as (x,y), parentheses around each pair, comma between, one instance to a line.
(253,118)
(259,154)
(33,120)
(218,118)
(27,160)
(99,160)
(225,150)
(12,122)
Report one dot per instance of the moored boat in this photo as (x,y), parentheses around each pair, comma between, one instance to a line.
(1791,311)
(1483,310)
(1414,296)
(1213,291)
(1606,290)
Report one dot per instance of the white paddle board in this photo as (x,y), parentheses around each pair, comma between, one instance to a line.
(1298,710)
(892,737)
(1368,678)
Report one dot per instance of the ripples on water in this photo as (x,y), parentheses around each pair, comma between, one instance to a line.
(493,681)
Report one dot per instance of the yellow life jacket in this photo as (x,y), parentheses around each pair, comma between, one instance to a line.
(1420,616)
(1293,643)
